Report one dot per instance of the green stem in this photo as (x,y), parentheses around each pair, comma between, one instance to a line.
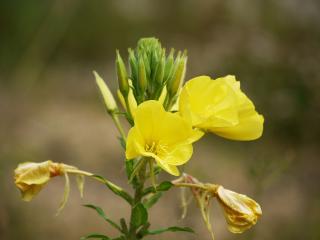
(138,195)
(118,125)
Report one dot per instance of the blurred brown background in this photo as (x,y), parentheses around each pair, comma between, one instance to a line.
(50,108)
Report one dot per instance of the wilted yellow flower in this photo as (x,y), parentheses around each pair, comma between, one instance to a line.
(31,177)
(241,212)
(166,137)
(219,106)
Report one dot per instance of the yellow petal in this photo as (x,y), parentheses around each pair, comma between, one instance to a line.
(173,170)
(180,155)
(135,144)
(30,192)
(33,173)
(250,127)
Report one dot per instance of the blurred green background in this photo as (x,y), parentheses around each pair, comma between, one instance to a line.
(50,108)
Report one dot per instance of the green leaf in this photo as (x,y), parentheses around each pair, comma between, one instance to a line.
(169,229)
(115,189)
(162,187)
(103,215)
(139,215)
(95,236)
(119,238)
(152,200)
(124,226)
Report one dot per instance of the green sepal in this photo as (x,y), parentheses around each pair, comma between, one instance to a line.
(115,189)
(95,236)
(139,215)
(103,215)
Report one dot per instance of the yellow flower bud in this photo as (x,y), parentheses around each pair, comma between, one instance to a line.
(106,93)
(241,212)
(131,101)
(31,177)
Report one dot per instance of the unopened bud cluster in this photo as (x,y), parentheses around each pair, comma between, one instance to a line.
(152,72)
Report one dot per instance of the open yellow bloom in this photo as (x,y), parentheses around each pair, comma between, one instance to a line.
(219,106)
(241,212)
(166,137)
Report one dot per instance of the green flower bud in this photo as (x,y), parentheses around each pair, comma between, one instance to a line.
(169,66)
(179,73)
(122,75)
(142,79)
(160,70)
(133,66)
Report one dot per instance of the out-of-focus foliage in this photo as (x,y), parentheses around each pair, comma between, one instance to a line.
(50,108)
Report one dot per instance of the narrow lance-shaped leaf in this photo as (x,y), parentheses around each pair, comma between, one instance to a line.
(96,236)
(115,189)
(169,229)
(103,215)
(153,200)
(162,187)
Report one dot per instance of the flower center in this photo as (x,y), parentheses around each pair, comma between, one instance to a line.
(155,148)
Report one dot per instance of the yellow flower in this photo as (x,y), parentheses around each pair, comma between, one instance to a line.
(241,212)
(166,137)
(219,106)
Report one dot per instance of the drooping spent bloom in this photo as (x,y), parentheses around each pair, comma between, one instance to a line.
(241,212)
(163,136)
(31,177)
(219,106)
